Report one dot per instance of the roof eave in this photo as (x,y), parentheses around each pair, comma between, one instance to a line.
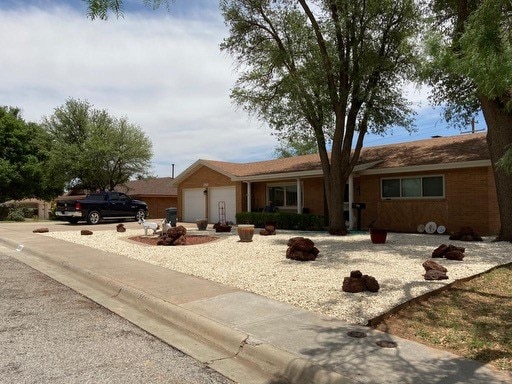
(428,167)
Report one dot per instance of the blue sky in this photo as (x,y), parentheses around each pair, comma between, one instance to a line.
(162,70)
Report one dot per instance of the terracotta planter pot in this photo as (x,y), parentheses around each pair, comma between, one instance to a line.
(202,224)
(245,232)
(378,235)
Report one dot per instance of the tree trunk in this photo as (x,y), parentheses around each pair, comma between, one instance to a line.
(336,198)
(499,139)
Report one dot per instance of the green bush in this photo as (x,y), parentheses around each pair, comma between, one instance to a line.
(303,222)
(16,213)
(4,211)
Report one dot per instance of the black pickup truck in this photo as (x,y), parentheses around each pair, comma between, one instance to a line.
(95,207)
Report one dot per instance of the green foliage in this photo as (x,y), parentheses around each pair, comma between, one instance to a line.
(93,150)
(295,147)
(468,54)
(23,155)
(16,213)
(304,222)
(101,8)
(326,70)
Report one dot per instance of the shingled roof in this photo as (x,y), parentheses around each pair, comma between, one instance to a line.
(157,186)
(433,151)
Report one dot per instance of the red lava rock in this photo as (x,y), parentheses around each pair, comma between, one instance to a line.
(173,236)
(85,232)
(120,227)
(431,264)
(454,255)
(270,229)
(353,285)
(301,249)
(466,234)
(371,283)
(440,251)
(357,282)
(433,274)
(41,230)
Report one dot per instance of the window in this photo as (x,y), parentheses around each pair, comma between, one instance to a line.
(413,187)
(283,195)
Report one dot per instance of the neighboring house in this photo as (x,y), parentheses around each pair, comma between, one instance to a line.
(156,192)
(40,208)
(447,180)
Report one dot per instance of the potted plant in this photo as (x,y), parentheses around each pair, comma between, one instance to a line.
(201,224)
(378,235)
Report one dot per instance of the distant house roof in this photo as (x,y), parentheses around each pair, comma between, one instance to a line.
(157,186)
(440,151)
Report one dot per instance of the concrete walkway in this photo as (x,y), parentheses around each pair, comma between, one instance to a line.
(246,337)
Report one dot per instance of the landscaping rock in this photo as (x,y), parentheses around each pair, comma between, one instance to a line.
(270,229)
(432,265)
(85,232)
(120,227)
(357,282)
(41,230)
(433,274)
(454,255)
(219,227)
(440,251)
(301,249)
(466,234)
(353,285)
(173,236)
(371,283)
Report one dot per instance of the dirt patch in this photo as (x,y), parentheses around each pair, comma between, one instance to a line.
(191,239)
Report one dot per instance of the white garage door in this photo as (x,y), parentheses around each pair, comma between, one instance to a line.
(226,194)
(194,204)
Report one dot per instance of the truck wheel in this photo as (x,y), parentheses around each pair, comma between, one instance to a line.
(93,217)
(141,214)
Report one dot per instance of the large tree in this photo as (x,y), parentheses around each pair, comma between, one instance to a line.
(93,150)
(471,68)
(331,68)
(23,153)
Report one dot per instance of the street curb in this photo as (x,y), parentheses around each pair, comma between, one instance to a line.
(228,343)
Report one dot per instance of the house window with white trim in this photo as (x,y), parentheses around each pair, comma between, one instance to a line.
(283,195)
(412,187)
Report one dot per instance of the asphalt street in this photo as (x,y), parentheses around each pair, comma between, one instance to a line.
(51,334)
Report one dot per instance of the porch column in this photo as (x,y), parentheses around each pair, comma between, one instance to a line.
(299,197)
(350,201)
(249,196)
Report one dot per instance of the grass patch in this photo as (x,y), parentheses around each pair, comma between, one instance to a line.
(472,319)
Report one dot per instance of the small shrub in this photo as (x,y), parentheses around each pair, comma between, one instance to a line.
(16,213)
(303,222)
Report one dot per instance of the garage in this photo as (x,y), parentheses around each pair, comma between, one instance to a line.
(194,204)
(225,194)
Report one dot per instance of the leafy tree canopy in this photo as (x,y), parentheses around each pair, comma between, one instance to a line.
(23,152)
(328,69)
(100,9)
(93,150)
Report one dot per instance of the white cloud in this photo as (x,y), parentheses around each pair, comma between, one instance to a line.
(164,71)
(165,74)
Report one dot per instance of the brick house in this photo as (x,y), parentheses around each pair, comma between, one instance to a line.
(447,180)
(158,193)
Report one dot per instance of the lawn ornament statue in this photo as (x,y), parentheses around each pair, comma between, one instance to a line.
(165,226)
(149,225)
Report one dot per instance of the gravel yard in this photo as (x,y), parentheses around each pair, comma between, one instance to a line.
(261,266)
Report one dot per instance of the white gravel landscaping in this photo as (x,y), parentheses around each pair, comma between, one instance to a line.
(261,266)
